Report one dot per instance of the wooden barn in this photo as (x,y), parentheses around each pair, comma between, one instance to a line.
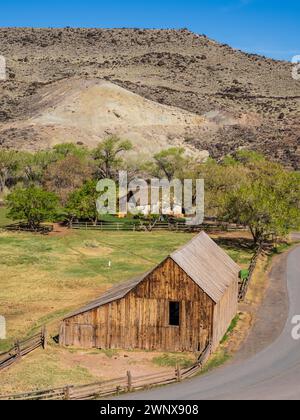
(183,304)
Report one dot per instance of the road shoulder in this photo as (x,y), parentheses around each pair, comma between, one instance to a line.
(270,315)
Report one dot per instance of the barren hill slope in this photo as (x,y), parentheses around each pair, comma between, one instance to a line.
(246,100)
(87,111)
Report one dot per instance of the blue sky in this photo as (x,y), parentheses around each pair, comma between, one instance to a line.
(268,27)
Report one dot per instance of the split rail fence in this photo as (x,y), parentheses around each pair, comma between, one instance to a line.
(21,348)
(44,229)
(244,285)
(128,383)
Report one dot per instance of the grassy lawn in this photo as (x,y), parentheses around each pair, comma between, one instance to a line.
(3,217)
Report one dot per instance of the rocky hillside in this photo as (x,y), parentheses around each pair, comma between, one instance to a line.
(86,111)
(243,100)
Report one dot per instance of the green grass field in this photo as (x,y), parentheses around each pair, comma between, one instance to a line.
(4,220)
(43,277)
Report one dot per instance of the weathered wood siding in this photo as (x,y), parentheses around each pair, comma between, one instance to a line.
(224,313)
(141,319)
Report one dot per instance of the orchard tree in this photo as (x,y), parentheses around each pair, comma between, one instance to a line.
(33,205)
(81,203)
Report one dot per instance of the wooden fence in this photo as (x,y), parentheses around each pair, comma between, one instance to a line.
(161,226)
(128,383)
(21,348)
(244,285)
(44,229)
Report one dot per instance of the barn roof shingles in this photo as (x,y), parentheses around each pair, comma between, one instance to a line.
(201,259)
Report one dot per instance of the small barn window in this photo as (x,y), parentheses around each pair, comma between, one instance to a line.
(174,318)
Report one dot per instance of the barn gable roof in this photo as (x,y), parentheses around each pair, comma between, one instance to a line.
(112,295)
(207,265)
(201,259)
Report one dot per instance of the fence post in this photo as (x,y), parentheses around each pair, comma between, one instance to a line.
(44,337)
(67,393)
(18,349)
(178,373)
(129,381)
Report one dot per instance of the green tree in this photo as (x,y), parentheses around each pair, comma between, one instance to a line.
(9,162)
(170,163)
(33,205)
(66,175)
(269,205)
(81,203)
(33,165)
(108,155)
(220,179)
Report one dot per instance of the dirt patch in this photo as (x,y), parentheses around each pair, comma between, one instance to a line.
(59,230)
(55,367)
(112,364)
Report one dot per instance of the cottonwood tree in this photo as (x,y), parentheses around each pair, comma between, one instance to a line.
(221,179)
(108,155)
(66,175)
(170,163)
(268,202)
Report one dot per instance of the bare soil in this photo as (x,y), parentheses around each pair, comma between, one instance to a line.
(115,365)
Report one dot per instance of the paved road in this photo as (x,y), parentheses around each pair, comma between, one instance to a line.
(272,374)
(295,237)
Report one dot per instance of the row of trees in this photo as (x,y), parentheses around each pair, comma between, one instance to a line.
(62,169)
(245,188)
